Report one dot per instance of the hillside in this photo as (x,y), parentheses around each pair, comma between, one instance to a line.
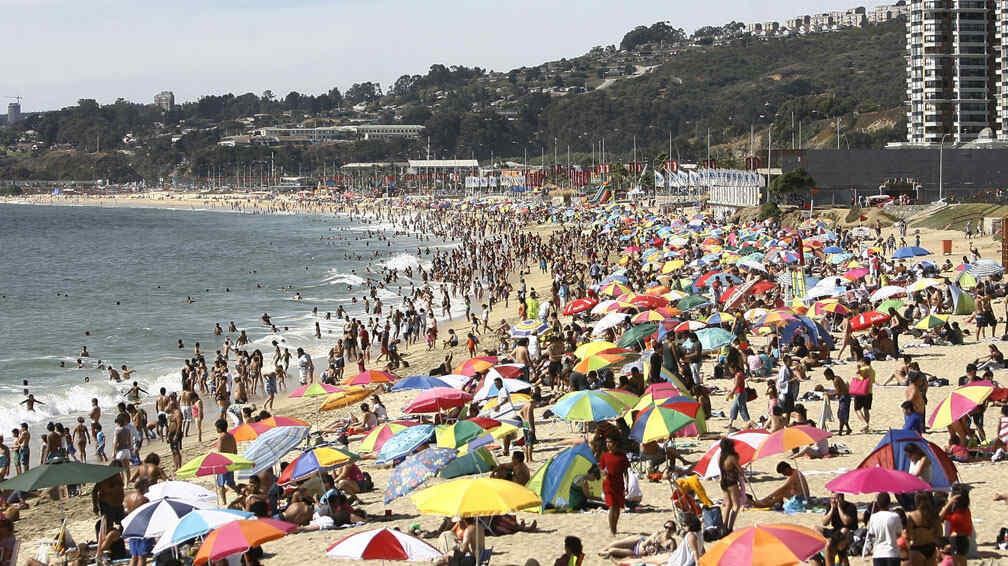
(661,84)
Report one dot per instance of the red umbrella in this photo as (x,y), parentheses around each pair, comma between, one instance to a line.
(702,280)
(649,301)
(472,366)
(763,286)
(578,306)
(746,442)
(506,371)
(868,319)
(437,399)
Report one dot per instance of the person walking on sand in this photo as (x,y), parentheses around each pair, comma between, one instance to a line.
(81,437)
(615,465)
(225,444)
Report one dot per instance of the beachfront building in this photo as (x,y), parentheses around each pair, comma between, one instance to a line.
(952,60)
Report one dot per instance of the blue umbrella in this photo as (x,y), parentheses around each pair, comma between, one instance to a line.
(833,250)
(419,382)
(404,442)
(149,520)
(910,251)
(196,524)
(272,445)
(416,469)
(552,482)
(714,338)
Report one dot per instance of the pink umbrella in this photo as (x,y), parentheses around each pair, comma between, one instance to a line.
(662,391)
(855,273)
(791,437)
(314,390)
(746,442)
(877,480)
(437,399)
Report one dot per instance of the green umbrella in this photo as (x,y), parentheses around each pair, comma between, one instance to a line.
(890,305)
(714,338)
(58,473)
(691,302)
(637,334)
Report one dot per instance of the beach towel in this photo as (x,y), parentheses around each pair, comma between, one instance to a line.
(826,415)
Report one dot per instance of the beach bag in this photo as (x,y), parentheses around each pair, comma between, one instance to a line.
(713,524)
(859,387)
(750,394)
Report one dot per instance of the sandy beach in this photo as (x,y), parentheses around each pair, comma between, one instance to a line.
(41,521)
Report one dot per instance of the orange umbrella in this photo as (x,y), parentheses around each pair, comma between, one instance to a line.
(476,365)
(764,545)
(251,431)
(239,536)
(370,376)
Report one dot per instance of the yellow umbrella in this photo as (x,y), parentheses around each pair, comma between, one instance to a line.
(516,400)
(475,497)
(345,398)
(592,348)
(932,321)
(672,265)
(921,284)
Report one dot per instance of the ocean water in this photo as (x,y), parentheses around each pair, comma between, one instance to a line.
(116,280)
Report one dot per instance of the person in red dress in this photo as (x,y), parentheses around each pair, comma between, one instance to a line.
(615,465)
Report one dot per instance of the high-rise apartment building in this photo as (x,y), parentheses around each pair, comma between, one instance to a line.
(953,69)
(165,100)
(953,61)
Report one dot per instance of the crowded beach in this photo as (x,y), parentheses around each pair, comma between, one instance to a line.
(567,385)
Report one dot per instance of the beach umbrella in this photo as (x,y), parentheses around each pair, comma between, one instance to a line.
(890,453)
(345,398)
(271,446)
(862,232)
(887,292)
(960,402)
(379,435)
(649,301)
(370,377)
(591,348)
(415,469)
(150,519)
(658,423)
(420,382)
(472,366)
(314,389)
(688,326)
(877,480)
(888,306)
(931,321)
(588,406)
(611,320)
(910,251)
(552,481)
(855,273)
(607,306)
(383,544)
(252,430)
(866,320)
(764,545)
(197,495)
(313,461)
(474,497)
(714,338)
(457,434)
(614,289)
(517,400)
(477,461)
(648,316)
(720,318)
(530,327)
(752,316)
(822,309)
(59,472)
(238,537)
(921,284)
(598,361)
(791,437)
(985,268)
(777,317)
(691,302)
(437,399)
(637,335)
(195,524)
(656,394)
(578,306)
(489,387)
(213,463)
(746,443)
(405,442)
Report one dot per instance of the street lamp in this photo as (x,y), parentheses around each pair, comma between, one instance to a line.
(941,148)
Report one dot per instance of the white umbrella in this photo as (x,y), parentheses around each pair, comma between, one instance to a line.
(197,495)
(510,385)
(603,307)
(887,292)
(862,232)
(383,544)
(818,292)
(272,445)
(985,268)
(149,519)
(611,320)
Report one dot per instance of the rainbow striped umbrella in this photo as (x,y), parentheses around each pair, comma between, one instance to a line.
(315,460)
(314,390)
(764,545)
(591,348)
(960,402)
(212,464)
(237,537)
(588,406)
(658,423)
(376,437)
(251,431)
(476,365)
(789,438)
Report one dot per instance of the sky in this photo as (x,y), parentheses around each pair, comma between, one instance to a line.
(55,52)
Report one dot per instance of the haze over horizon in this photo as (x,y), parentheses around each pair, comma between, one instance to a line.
(60,51)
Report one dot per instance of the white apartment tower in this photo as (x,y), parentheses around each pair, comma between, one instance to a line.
(953,56)
(1001,68)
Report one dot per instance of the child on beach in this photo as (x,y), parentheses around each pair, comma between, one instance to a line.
(99,436)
